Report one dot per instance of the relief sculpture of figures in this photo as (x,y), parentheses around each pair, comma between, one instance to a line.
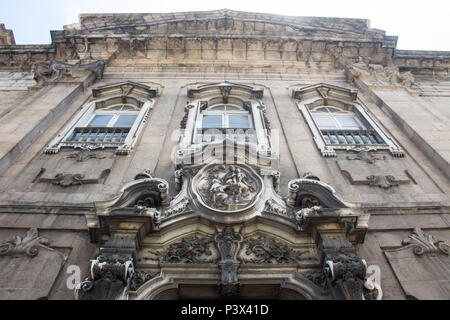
(227,187)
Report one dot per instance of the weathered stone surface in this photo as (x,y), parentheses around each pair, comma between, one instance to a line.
(406,93)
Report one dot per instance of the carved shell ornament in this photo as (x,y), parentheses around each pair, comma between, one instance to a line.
(227,188)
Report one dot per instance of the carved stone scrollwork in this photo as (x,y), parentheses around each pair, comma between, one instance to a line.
(384,182)
(110,276)
(225,91)
(278,209)
(139,278)
(114,267)
(364,154)
(382,75)
(84,155)
(178,208)
(28,245)
(310,175)
(423,243)
(191,250)
(303,216)
(146,174)
(266,119)
(317,277)
(179,179)
(266,250)
(68,179)
(372,289)
(186,115)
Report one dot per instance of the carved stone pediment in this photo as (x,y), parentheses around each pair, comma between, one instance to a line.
(227,188)
(224,90)
(133,212)
(307,193)
(144,192)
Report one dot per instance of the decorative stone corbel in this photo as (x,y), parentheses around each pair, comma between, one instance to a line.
(228,243)
(346,275)
(110,276)
(345,271)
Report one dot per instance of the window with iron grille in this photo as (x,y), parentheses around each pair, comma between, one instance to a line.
(338,121)
(114,119)
(107,125)
(340,127)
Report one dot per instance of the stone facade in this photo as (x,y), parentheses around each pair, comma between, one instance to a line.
(165,209)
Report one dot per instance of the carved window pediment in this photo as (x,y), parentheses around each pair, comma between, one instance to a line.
(144,192)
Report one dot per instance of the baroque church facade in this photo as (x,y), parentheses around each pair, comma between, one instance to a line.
(223,154)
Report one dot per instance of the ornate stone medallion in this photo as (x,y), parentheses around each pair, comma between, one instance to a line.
(227,188)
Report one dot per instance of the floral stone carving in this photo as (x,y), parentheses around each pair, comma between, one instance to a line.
(191,250)
(424,243)
(21,246)
(227,188)
(266,250)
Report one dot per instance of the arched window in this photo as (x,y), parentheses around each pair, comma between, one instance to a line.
(113,119)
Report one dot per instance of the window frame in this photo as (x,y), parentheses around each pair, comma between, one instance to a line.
(258,144)
(88,112)
(225,115)
(323,95)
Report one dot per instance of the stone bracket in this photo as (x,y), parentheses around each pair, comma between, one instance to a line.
(345,271)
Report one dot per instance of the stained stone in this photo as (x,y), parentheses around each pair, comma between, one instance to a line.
(274,214)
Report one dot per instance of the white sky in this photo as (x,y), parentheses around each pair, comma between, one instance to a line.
(420,25)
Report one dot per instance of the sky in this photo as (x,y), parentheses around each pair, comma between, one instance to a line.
(420,25)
